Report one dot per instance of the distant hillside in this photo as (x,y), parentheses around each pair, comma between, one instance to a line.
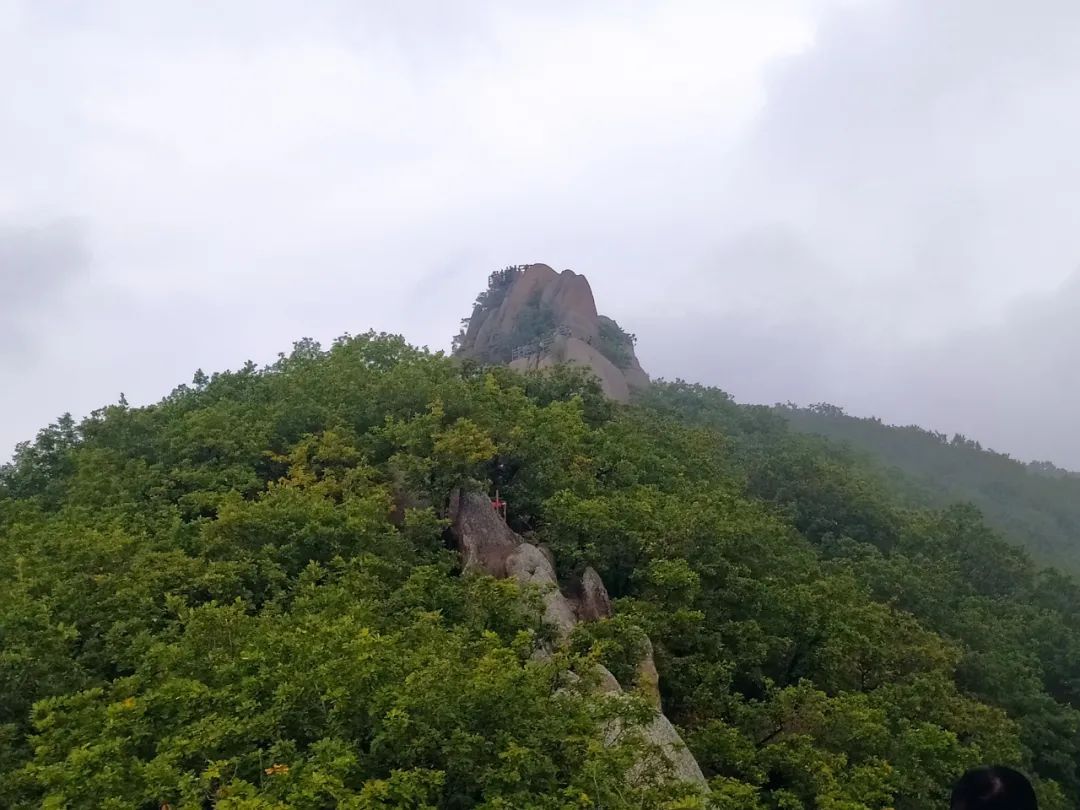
(1037,505)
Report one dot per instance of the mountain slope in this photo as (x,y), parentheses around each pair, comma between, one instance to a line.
(241,597)
(1036,505)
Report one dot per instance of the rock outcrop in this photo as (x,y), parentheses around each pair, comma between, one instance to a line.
(567,294)
(483,538)
(528,565)
(532,317)
(573,350)
(661,733)
(593,601)
(488,545)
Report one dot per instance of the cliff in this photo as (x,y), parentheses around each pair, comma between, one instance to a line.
(532,317)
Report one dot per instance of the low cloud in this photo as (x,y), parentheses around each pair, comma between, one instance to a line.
(900,227)
(1014,384)
(37,264)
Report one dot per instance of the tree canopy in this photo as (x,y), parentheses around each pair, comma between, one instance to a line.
(1037,504)
(241,597)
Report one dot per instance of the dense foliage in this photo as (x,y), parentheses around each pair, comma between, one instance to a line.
(240,598)
(1035,504)
(615,343)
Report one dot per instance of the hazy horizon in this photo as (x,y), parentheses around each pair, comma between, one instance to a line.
(872,203)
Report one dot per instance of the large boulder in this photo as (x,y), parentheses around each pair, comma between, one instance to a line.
(608,684)
(660,733)
(528,565)
(592,598)
(487,545)
(527,287)
(483,538)
(566,294)
(684,767)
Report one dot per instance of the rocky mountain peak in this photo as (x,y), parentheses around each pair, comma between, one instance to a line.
(531,316)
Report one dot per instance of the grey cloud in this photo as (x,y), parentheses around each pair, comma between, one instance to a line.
(1014,384)
(912,179)
(931,145)
(36,265)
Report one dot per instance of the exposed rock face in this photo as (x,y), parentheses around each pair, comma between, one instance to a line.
(566,294)
(635,375)
(535,318)
(488,545)
(685,768)
(528,565)
(608,684)
(572,350)
(547,552)
(593,601)
(483,538)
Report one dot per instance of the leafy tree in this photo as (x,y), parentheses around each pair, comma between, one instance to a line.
(616,344)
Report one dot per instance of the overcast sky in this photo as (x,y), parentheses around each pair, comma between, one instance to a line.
(874,203)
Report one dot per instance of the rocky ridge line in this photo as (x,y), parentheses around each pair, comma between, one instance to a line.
(488,546)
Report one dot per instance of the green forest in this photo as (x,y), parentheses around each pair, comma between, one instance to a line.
(242,597)
(1036,504)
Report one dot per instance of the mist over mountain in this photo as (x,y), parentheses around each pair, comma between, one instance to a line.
(805,200)
(1010,383)
(1035,505)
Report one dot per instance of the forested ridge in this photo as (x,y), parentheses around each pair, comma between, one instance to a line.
(241,597)
(1035,504)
